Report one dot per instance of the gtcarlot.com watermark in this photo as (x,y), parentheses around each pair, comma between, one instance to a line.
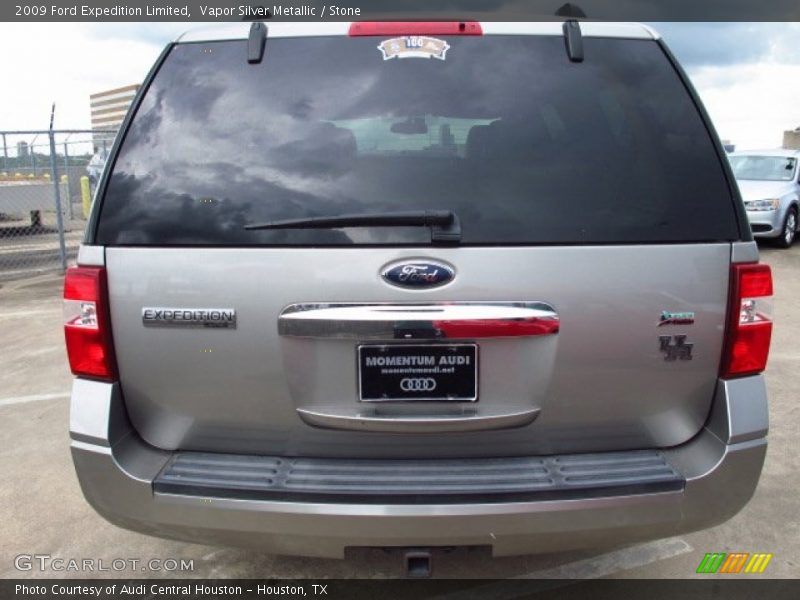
(59,564)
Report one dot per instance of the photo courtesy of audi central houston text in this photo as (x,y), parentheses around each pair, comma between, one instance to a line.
(432,297)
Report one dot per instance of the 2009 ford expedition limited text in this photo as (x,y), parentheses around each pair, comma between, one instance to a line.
(416,285)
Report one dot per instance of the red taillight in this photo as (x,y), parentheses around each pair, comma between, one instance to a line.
(415,28)
(87,328)
(487,328)
(749,321)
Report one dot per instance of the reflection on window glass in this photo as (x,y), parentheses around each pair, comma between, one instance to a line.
(763,168)
(422,136)
(523,145)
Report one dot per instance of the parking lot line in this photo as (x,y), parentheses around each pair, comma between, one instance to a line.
(32,398)
(596,567)
(27,313)
(614,562)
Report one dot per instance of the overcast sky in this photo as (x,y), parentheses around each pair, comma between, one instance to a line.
(748,74)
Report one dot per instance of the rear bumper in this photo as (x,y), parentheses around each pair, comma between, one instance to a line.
(720,468)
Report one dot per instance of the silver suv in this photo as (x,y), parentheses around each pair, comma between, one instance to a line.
(418,285)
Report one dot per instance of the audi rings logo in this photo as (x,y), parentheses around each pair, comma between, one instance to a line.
(418,384)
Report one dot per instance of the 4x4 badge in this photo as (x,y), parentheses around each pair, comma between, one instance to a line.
(680,350)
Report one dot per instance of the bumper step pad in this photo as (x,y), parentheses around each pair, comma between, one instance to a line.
(417,481)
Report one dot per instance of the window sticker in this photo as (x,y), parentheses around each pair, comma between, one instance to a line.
(413,46)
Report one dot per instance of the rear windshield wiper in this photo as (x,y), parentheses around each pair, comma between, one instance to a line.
(445,225)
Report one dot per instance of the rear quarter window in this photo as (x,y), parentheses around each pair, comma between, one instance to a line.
(524,145)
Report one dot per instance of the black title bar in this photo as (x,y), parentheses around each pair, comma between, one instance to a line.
(722,587)
(366,10)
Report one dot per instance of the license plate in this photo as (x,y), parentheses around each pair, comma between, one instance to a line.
(441,372)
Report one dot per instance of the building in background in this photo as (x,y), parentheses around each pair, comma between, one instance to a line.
(108,111)
(791,139)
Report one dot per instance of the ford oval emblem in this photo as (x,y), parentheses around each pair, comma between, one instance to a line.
(418,274)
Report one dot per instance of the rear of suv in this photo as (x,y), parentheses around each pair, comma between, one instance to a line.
(418,285)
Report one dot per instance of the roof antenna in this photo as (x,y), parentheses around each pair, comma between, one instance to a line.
(256,42)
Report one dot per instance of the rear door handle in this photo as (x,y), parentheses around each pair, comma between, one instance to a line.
(428,321)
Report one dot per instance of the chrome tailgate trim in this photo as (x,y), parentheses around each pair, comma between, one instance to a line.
(430,320)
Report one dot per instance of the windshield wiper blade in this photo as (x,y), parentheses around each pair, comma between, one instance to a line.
(445,225)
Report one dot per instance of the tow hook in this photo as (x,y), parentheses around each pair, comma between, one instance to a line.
(418,563)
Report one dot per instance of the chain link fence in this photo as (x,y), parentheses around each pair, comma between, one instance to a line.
(47,181)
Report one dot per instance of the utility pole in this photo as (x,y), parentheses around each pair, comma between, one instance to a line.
(62,248)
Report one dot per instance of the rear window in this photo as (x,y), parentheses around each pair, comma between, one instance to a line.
(763,168)
(523,145)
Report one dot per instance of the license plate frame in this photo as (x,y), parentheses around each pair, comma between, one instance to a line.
(386,387)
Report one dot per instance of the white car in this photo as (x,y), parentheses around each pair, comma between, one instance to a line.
(768,181)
